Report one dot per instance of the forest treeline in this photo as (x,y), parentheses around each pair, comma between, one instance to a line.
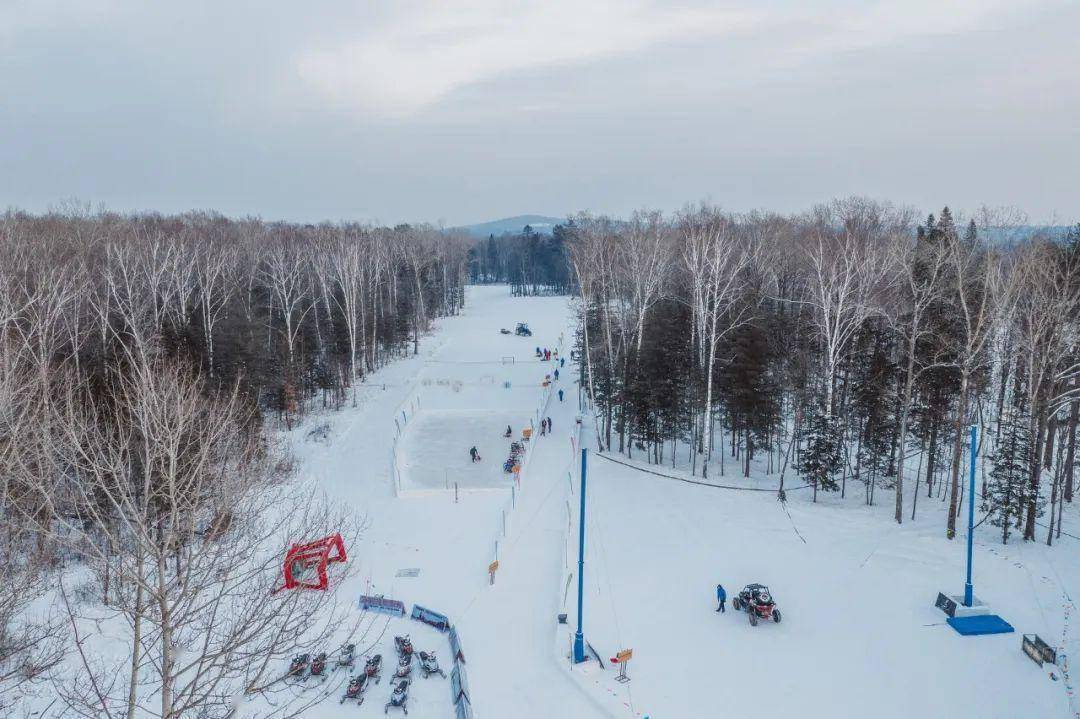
(850,345)
(530,262)
(141,357)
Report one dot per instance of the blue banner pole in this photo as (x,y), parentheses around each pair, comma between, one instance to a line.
(969,596)
(579,636)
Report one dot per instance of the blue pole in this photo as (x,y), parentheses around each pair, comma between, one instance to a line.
(579,637)
(969,596)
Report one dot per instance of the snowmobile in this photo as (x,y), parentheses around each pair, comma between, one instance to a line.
(430,665)
(345,656)
(757,602)
(318,665)
(399,698)
(404,667)
(404,646)
(522,330)
(373,668)
(504,331)
(299,665)
(356,688)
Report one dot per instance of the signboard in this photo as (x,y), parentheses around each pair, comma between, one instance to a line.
(1038,650)
(430,616)
(945,604)
(382,605)
(493,567)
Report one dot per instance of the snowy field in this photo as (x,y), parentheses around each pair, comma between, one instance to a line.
(860,636)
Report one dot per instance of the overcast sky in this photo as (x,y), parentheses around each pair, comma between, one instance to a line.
(455,112)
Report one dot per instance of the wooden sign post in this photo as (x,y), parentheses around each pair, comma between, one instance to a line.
(622,659)
(492,568)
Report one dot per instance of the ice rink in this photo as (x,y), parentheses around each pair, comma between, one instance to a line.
(434,450)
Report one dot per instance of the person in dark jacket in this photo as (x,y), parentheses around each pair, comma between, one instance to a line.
(474,454)
(721,597)
(560,395)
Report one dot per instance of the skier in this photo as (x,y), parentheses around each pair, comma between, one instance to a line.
(721,597)
(562,362)
(560,395)
(543,427)
(538,352)
(556,375)
(549,424)
(509,432)
(474,454)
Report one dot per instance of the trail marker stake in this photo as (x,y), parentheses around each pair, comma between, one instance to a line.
(622,659)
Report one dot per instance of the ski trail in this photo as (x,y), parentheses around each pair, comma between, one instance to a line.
(1067,607)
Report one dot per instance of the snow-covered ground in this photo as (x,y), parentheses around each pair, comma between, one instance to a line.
(507,630)
(860,635)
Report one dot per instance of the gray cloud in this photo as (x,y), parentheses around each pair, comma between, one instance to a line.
(410,111)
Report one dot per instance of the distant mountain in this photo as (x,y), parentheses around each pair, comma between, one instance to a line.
(541,224)
(1009,236)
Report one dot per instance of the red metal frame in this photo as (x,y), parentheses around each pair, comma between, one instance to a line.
(317,555)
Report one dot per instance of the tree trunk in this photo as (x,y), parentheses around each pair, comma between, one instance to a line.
(905,408)
(1070,452)
(1039,420)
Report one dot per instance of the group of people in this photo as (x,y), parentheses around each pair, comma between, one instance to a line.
(545,426)
(546,354)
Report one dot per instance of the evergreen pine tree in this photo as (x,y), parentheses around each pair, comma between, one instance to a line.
(1007,492)
(823,456)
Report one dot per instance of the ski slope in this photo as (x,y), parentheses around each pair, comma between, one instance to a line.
(507,630)
(860,635)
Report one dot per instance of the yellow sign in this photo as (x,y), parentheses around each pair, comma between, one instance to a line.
(624,656)
(493,567)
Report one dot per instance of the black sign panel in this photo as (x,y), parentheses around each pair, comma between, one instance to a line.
(945,604)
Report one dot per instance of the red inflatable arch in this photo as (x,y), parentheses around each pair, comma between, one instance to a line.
(305,564)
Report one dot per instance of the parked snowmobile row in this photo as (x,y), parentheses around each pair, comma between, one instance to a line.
(430,665)
(404,667)
(359,684)
(304,666)
(319,665)
(399,698)
(516,452)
